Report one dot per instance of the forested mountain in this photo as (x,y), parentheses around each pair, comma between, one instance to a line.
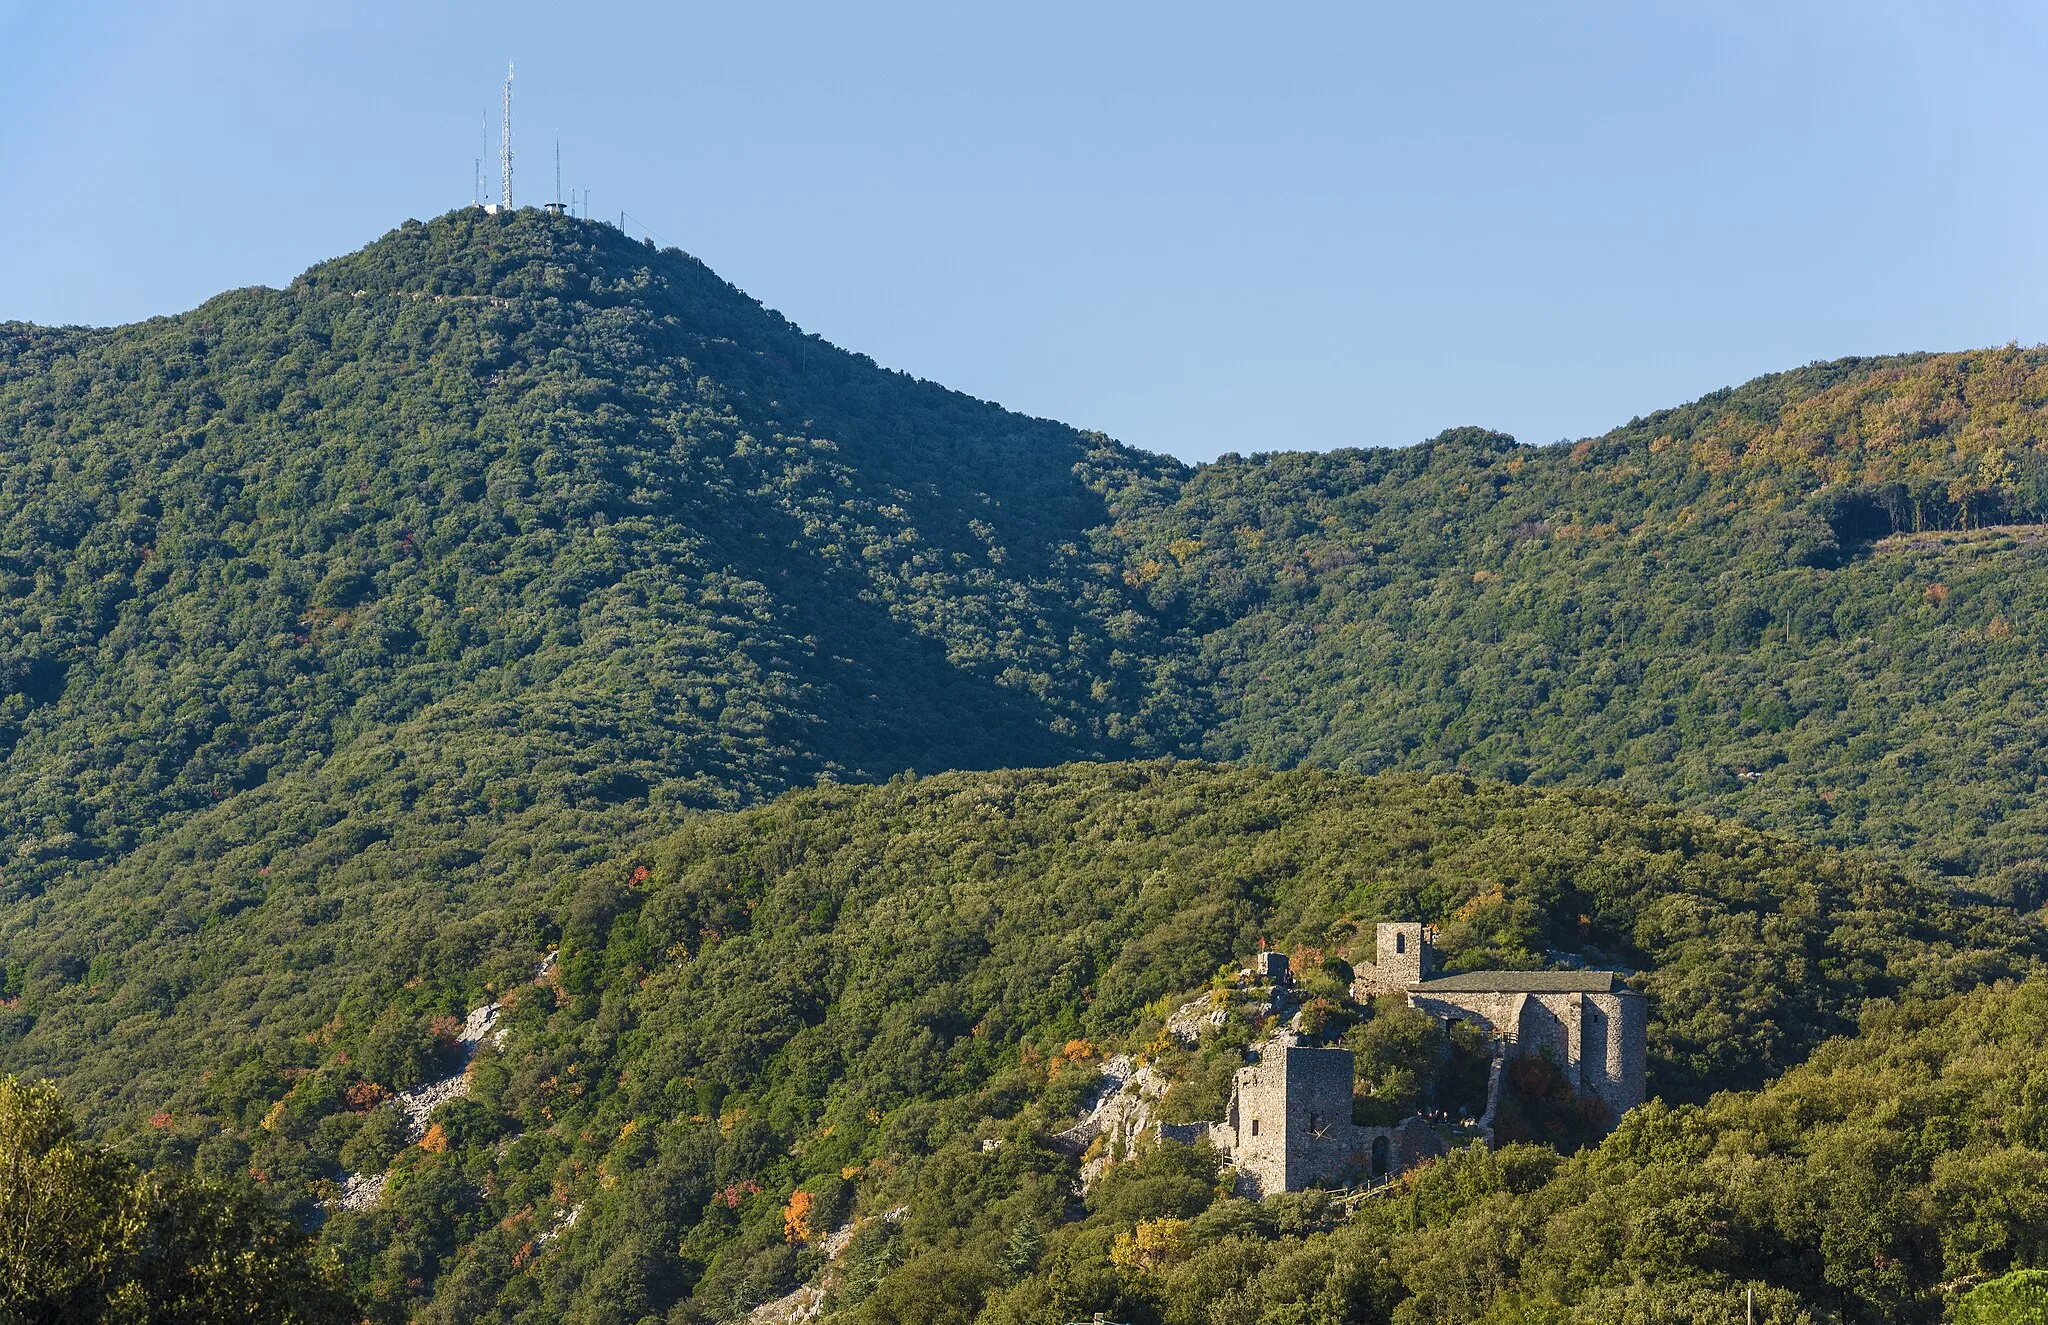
(507,494)
(512,493)
(481,591)
(1814,602)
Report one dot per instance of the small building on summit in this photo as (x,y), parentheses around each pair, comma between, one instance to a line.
(1591,1025)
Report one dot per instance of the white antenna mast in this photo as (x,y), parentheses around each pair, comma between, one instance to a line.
(558,174)
(505,147)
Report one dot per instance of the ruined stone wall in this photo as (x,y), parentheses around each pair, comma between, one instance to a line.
(1400,959)
(1290,1126)
(1257,1125)
(1290,1120)
(1598,1040)
(1551,1025)
(1412,1141)
(1322,1142)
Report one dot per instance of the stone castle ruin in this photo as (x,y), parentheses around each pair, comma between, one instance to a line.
(1591,1025)
(1289,1124)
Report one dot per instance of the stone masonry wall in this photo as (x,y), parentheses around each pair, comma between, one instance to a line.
(1257,1125)
(1624,1069)
(1598,1040)
(1400,959)
(1322,1141)
(1499,1012)
(1290,1126)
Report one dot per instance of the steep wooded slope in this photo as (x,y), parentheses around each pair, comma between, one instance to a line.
(517,494)
(337,619)
(361,639)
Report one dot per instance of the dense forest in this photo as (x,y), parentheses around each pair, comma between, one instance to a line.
(846,992)
(511,587)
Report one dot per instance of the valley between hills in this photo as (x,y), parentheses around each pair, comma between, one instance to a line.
(821,776)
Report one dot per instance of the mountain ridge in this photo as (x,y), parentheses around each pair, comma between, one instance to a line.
(510,585)
(511,530)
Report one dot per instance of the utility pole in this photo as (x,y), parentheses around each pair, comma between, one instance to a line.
(505,147)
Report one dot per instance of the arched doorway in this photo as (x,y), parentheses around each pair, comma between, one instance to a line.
(1380,1162)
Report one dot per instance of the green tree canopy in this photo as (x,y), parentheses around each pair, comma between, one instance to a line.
(84,1238)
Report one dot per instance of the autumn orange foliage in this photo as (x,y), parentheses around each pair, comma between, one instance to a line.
(796,1218)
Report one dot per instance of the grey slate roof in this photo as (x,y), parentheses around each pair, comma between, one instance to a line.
(1523,982)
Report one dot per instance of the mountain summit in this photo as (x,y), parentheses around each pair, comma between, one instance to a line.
(502,494)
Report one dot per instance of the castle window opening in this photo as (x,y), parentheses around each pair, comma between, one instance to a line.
(1255,1127)
(1400,943)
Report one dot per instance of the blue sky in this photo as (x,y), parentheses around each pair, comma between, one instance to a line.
(1196,227)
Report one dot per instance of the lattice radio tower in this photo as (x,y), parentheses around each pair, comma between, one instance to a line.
(505,147)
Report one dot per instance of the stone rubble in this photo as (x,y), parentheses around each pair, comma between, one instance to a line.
(806,1303)
(1197,1016)
(362,1191)
(563,1223)
(419,1103)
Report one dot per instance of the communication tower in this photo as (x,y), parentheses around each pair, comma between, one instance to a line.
(558,207)
(505,148)
(483,138)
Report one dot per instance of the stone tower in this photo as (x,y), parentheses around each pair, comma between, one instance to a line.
(1290,1126)
(1400,960)
(1290,1118)
(1400,952)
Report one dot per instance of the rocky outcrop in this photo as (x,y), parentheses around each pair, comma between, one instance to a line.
(1118,1114)
(1195,1018)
